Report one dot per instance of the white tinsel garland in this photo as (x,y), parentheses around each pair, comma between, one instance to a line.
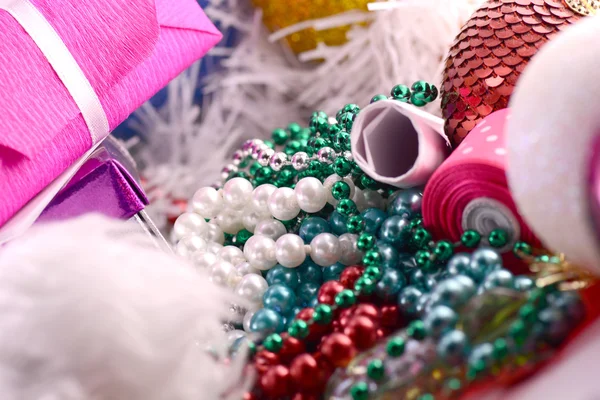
(263,86)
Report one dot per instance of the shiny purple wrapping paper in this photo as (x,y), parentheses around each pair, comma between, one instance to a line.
(107,183)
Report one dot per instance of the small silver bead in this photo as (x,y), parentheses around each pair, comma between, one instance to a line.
(278,160)
(232,168)
(248,144)
(348,155)
(265,156)
(237,157)
(300,161)
(326,155)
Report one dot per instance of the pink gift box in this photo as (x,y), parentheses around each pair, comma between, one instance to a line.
(127,49)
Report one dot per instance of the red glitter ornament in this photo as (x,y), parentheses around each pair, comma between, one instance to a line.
(276,383)
(489,55)
(350,275)
(328,291)
(305,372)
(339,349)
(363,332)
(264,360)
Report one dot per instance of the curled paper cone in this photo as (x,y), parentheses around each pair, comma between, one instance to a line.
(551,139)
(398,144)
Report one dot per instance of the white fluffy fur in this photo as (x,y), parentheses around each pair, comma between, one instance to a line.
(89,311)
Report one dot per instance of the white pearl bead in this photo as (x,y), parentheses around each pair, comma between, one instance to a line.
(244,268)
(214,248)
(373,199)
(237,192)
(252,217)
(359,200)
(328,185)
(271,228)
(204,259)
(230,221)
(207,202)
(283,204)
(260,252)
(310,195)
(251,288)
(290,250)
(232,255)
(188,245)
(325,249)
(260,197)
(220,272)
(189,224)
(247,318)
(350,253)
(215,233)
(235,335)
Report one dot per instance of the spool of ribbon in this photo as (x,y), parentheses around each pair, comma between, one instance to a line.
(553,147)
(470,191)
(398,144)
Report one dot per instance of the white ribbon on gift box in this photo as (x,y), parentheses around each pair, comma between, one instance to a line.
(64,64)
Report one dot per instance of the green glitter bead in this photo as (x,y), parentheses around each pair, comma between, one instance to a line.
(453,384)
(269,143)
(365,285)
(420,86)
(293,147)
(518,332)
(355,224)
(416,330)
(420,238)
(359,391)
(254,168)
(418,99)
(368,182)
(263,175)
(500,349)
(372,258)
(273,343)
(298,329)
(528,313)
(342,167)
(319,143)
(372,272)
(347,120)
(315,168)
(340,190)
(376,370)
(323,314)
(443,250)
(498,238)
(401,93)
(423,259)
(295,131)
(395,347)
(522,247)
(334,130)
(347,207)
(378,97)
(416,223)
(242,237)
(352,108)
(426,396)
(470,238)
(346,298)
(365,242)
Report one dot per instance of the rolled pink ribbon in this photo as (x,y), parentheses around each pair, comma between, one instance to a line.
(127,50)
(398,144)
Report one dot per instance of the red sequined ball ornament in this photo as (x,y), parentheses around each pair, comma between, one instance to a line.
(490,53)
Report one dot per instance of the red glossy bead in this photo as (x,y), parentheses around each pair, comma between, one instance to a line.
(390,316)
(250,396)
(316,331)
(265,360)
(276,383)
(291,348)
(305,370)
(350,275)
(369,311)
(363,332)
(305,396)
(328,291)
(381,333)
(339,349)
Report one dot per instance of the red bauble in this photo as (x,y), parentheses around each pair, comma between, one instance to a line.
(489,55)
(339,349)
(265,360)
(390,316)
(369,311)
(291,348)
(350,275)
(328,292)
(363,332)
(276,383)
(305,373)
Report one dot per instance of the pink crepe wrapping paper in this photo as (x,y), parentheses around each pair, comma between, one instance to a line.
(474,171)
(128,50)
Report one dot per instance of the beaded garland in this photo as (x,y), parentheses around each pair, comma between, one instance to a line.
(332,262)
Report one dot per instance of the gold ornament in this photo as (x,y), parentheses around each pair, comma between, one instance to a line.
(279,14)
(584,7)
